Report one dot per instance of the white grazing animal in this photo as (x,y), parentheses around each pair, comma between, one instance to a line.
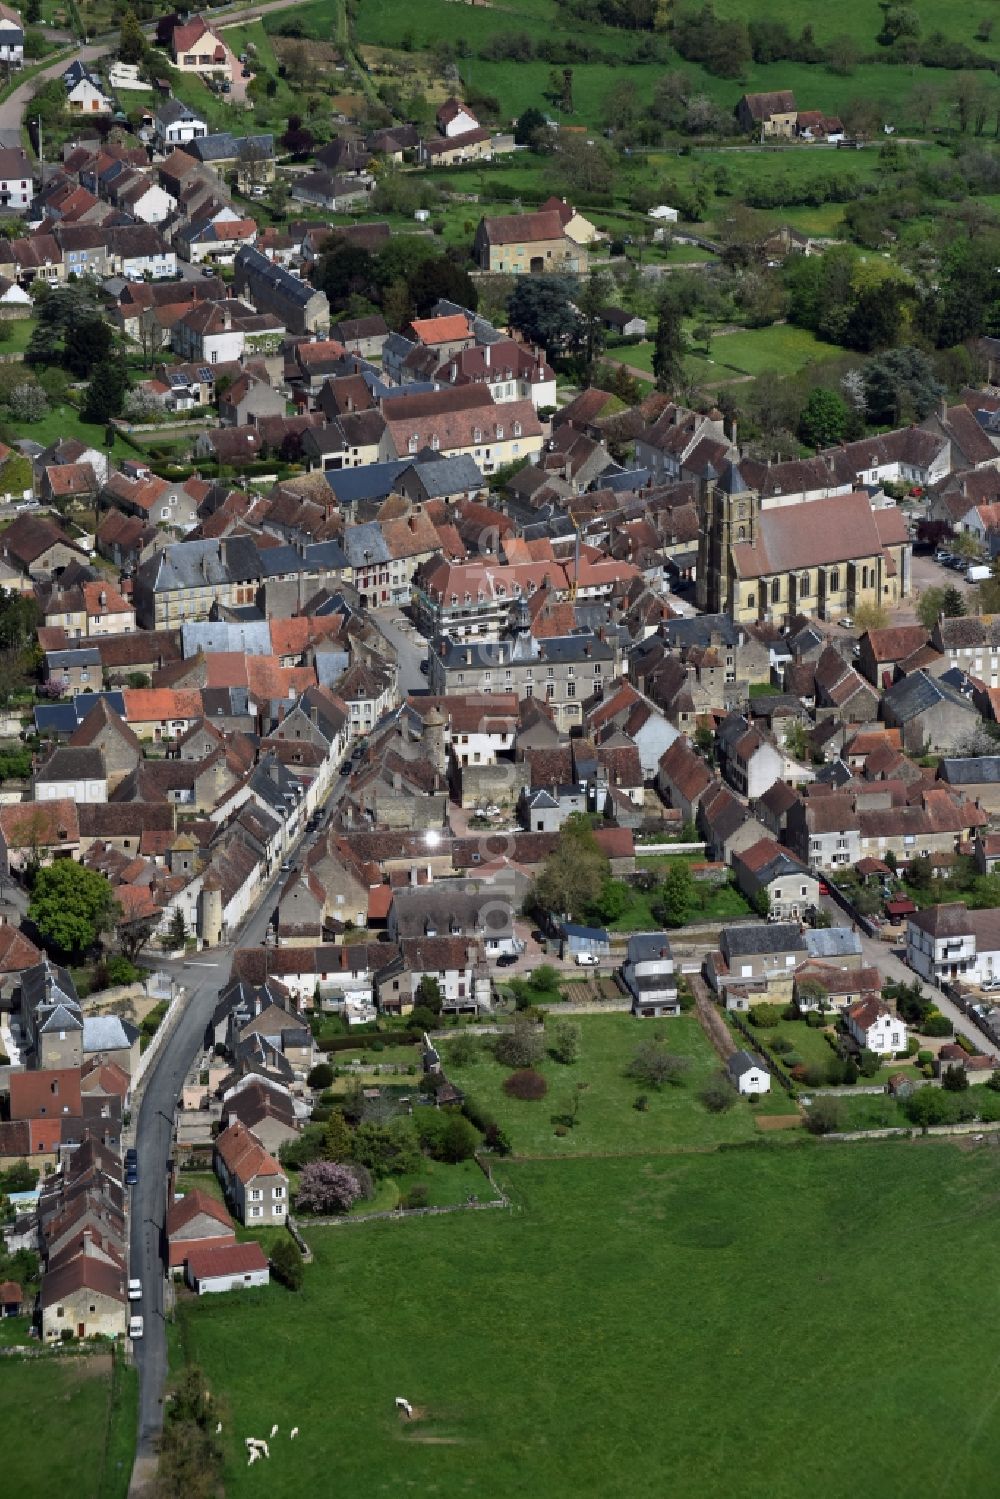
(254,1455)
(294,1432)
(274,1432)
(404,1405)
(218,1429)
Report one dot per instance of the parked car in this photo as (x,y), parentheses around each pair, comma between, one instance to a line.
(824,888)
(990,986)
(425,667)
(847,622)
(586,960)
(135,1290)
(506,959)
(135,1327)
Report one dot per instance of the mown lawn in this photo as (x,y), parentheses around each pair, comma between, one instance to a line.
(65,1432)
(609,1122)
(782,349)
(523,1338)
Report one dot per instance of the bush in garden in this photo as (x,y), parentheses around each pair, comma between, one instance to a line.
(526,1084)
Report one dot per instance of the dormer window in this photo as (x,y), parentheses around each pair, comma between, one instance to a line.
(517,429)
(435,442)
(413,443)
(499,431)
(477,434)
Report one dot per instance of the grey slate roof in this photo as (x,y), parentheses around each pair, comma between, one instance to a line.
(193,564)
(444,476)
(832,942)
(65,718)
(251,639)
(376,482)
(105,1033)
(84,655)
(73,762)
(365,544)
(763,937)
(698,630)
(744,1061)
(919,692)
(978,770)
(224,146)
(257,266)
(648,947)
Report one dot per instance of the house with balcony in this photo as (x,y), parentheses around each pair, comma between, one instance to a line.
(649,976)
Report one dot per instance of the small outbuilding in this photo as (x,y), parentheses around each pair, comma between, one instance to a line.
(748,1072)
(11,1299)
(231,1267)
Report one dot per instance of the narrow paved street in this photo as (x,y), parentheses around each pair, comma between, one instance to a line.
(202,977)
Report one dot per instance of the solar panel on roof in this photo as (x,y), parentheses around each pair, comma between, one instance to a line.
(204,373)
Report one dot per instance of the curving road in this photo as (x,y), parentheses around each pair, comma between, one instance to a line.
(13,109)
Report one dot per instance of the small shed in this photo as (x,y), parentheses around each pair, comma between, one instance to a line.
(11,1299)
(899,907)
(748,1072)
(229,1268)
(899,1085)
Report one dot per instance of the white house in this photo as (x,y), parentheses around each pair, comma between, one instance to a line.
(84,95)
(74,771)
(175,125)
(11,37)
(950,942)
(454,119)
(16,186)
(874,1026)
(648,975)
(148,202)
(748,1073)
(227,1267)
(664,214)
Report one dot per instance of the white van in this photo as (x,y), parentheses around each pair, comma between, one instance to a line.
(135,1326)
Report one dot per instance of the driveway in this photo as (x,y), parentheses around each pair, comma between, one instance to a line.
(410,647)
(889,962)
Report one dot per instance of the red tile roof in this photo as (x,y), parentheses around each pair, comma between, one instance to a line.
(231,1259)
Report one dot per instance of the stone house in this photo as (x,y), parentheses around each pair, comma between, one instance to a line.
(253,1181)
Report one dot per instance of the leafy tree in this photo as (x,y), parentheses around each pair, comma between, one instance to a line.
(565,1042)
(529,126)
(71,906)
(320,1076)
(87,346)
(463,1051)
(429,994)
(952,603)
(133,935)
(520,1046)
(654,1065)
(900,384)
(718,1094)
(458,1140)
(327,1187)
(928,1106)
(955,1079)
(571,879)
(339,1139)
(542,308)
(824,1116)
(871,616)
(668,347)
(131,42)
(824,419)
(177,931)
(386,1149)
(930,605)
(106,392)
(286,1262)
(677,894)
